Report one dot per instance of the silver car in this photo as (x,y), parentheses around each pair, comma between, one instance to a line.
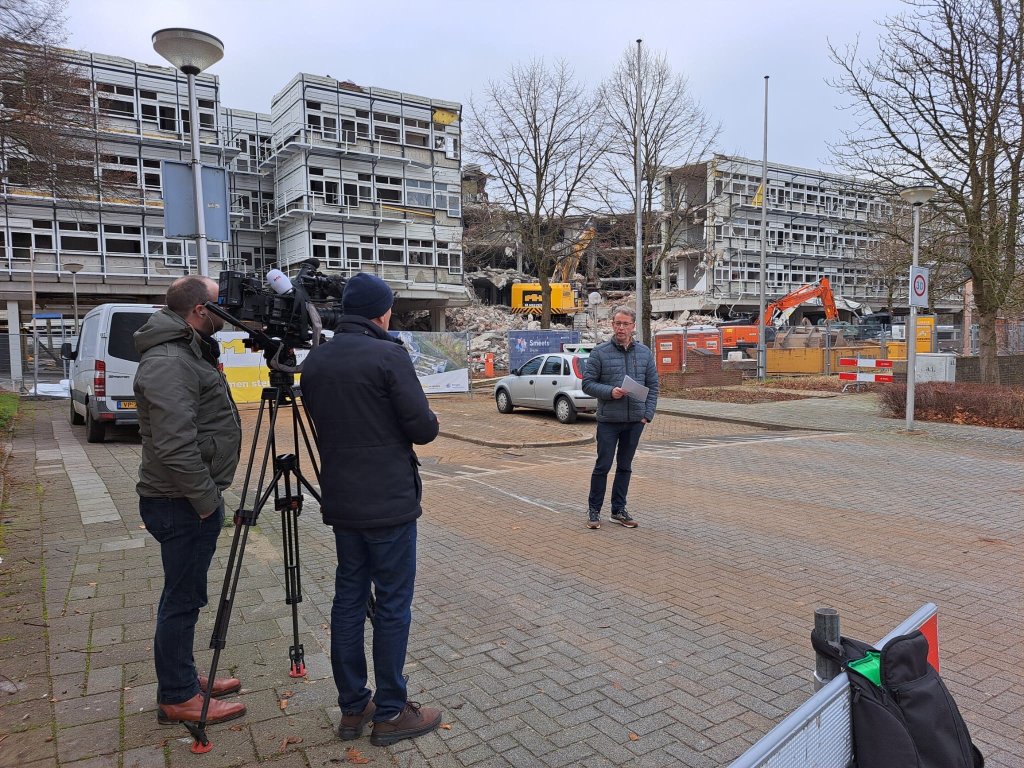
(551,382)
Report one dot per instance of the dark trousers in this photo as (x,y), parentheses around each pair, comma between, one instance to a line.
(386,558)
(187,543)
(616,440)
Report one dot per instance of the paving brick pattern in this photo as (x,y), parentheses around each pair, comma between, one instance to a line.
(546,644)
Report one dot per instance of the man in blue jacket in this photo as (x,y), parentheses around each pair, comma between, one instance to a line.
(620,416)
(366,403)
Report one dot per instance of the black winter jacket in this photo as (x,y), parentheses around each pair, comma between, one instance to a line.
(368,408)
(607,366)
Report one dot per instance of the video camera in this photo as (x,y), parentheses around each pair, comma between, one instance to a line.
(291,312)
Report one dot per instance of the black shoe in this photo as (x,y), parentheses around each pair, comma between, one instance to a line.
(351,726)
(413,721)
(623,519)
(594,519)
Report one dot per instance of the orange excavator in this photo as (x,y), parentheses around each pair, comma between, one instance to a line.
(743,337)
(776,311)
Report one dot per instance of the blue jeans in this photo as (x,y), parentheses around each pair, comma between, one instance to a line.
(612,436)
(187,544)
(385,557)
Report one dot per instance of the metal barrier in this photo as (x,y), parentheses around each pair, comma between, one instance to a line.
(858,376)
(818,732)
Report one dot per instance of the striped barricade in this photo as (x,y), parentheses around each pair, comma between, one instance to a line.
(882,370)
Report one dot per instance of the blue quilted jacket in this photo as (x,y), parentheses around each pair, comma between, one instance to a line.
(607,365)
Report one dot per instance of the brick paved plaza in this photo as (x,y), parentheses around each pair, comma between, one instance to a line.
(546,644)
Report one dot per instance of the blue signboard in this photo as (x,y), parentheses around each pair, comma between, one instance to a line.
(179,201)
(522,345)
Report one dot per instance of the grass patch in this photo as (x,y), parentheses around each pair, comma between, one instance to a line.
(985,405)
(809,384)
(740,395)
(8,410)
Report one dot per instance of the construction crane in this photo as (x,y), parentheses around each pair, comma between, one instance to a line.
(566,293)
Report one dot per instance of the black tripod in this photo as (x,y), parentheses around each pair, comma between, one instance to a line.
(285,484)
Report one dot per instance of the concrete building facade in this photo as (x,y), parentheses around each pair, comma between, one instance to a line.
(818,225)
(364,179)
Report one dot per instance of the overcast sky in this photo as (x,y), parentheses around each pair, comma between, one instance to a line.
(449,49)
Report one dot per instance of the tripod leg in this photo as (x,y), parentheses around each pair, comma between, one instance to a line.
(293,580)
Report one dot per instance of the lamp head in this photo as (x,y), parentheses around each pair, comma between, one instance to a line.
(189,50)
(73,267)
(918,195)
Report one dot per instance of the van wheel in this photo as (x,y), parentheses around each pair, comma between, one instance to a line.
(565,411)
(75,418)
(95,431)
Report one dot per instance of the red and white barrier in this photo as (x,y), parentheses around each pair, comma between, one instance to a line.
(865,362)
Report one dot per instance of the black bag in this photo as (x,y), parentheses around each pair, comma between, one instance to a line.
(909,720)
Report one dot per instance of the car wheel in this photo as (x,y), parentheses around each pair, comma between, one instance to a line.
(95,431)
(504,401)
(565,410)
(74,417)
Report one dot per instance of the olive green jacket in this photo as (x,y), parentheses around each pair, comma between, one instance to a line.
(191,433)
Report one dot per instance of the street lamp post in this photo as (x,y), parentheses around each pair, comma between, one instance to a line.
(191,52)
(916,196)
(74,268)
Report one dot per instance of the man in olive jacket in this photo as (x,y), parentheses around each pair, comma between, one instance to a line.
(367,405)
(191,438)
(621,417)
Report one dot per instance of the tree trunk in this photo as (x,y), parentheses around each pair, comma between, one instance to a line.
(545,292)
(989,347)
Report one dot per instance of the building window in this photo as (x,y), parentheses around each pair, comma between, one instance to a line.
(418,192)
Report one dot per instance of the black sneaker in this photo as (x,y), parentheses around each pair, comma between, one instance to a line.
(623,519)
(594,519)
(413,721)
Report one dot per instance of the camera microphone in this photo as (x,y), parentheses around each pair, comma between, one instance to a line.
(279,281)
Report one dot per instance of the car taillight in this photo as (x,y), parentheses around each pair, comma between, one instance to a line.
(578,365)
(99,380)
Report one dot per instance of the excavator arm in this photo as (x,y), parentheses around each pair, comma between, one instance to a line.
(821,289)
(566,268)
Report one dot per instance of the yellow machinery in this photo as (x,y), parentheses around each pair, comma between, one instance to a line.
(566,294)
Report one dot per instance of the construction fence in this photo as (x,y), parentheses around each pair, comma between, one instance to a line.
(818,732)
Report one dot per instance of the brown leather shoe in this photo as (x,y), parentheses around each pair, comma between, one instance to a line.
(222,686)
(351,726)
(413,721)
(189,711)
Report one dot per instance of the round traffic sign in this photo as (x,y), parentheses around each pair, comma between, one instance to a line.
(920,286)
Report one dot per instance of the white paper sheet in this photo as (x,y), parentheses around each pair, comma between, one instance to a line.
(635,389)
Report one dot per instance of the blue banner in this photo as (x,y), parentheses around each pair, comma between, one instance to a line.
(522,345)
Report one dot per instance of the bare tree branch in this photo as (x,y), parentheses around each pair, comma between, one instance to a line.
(943,102)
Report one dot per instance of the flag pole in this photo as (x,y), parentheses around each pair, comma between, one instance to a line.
(762,352)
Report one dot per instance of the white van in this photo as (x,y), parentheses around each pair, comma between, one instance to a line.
(103,367)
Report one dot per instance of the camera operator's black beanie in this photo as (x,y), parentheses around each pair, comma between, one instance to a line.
(367,296)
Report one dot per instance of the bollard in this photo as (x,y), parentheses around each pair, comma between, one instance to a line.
(489,365)
(826,625)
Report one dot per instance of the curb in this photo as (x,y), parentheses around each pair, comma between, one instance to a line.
(496,444)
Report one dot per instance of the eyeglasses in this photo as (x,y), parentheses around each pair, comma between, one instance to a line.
(623,325)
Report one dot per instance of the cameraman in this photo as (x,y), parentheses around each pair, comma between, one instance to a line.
(191,438)
(366,403)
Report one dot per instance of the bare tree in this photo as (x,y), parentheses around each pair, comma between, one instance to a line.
(674,131)
(891,251)
(943,102)
(45,105)
(536,134)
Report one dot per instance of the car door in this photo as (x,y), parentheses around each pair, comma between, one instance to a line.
(552,378)
(523,384)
